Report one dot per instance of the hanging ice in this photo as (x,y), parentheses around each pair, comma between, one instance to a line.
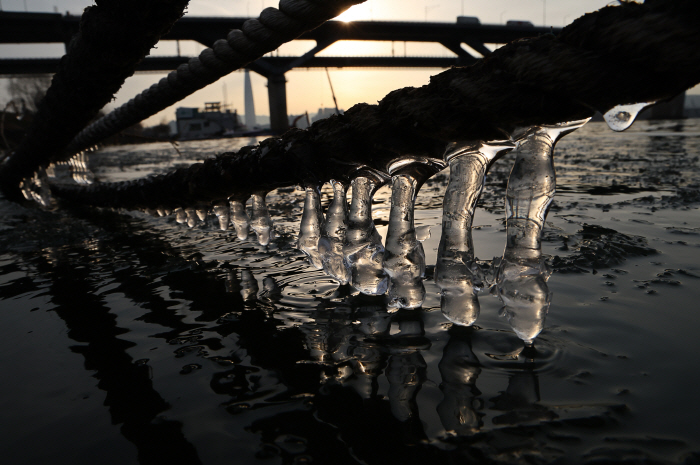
(621,117)
(201,214)
(223,214)
(260,220)
(363,249)
(191,217)
(404,259)
(180,216)
(310,228)
(330,245)
(522,276)
(239,218)
(456,272)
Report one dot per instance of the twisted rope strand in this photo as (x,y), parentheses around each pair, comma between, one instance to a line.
(257,37)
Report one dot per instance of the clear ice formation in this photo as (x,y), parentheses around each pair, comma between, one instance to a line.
(239,218)
(201,214)
(310,228)
(363,249)
(522,276)
(456,272)
(260,220)
(223,214)
(404,258)
(621,117)
(333,231)
(191,217)
(180,216)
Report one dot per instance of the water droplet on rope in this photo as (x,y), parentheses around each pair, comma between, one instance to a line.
(363,249)
(310,227)
(239,218)
(620,117)
(223,214)
(330,245)
(260,220)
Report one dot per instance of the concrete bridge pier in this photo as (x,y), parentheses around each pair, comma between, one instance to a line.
(277,97)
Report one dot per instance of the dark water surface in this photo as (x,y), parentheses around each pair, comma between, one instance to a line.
(132,339)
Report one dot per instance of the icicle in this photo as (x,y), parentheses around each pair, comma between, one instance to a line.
(191,217)
(456,270)
(621,117)
(201,214)
(37,188)
(522,276)
(363,249)
(223,214)
(180,216)
(459,368)
(310,228)
(249,285)
(260,220)
(239,218)
(333,231)
(404,259)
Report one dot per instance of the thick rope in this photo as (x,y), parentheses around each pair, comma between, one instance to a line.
(256,38)
(625,54)
(114,37)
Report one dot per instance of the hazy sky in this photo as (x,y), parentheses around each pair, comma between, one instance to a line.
(309,90)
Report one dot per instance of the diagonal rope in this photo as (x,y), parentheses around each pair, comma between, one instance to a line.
(257,37)
(618,55)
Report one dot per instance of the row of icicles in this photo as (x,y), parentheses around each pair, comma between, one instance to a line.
(346,245)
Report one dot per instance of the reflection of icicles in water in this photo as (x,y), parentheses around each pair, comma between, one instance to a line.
(310,227)
(260,220)
(249,285)
(223,214)
(459,368)
(522,276)
(239,218)
(455,268)
(621,117)
(363,250)
(404,259)
(330,245)
(37,189)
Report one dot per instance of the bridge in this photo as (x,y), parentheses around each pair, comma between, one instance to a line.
(26,28)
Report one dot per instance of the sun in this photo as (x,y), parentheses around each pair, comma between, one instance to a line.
(354,13)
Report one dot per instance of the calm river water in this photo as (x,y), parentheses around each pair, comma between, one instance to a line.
(132,339)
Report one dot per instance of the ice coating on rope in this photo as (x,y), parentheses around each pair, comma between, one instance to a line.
(404,259)
(260,220)
(621,117)
(363,249)
(223,214)
(239,219)
(522,276)
(456,272)
(310,228)
(333,231)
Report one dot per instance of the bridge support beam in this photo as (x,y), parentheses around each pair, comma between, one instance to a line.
(277,96)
